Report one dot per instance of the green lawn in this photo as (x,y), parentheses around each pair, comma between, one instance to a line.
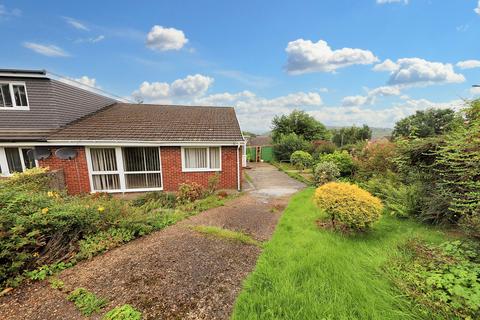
(307,273)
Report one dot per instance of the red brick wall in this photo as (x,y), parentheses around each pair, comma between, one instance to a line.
(173,175)
(77,181)
(75,171)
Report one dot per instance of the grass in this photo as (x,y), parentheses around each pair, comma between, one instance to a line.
(227,234)
(305,176)
(308,273)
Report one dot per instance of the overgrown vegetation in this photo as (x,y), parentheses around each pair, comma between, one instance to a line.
(43,231)
(86,302)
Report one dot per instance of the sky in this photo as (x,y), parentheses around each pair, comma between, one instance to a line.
(345,62)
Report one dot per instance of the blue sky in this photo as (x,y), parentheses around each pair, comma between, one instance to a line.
(345,62)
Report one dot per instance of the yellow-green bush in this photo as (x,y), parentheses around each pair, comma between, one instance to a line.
(348,205)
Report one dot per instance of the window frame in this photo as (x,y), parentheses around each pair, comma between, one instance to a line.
(4,169)
(120,171)
(12,95)
(208,168)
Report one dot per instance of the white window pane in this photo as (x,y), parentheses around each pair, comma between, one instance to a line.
(215,158)
(143,180)
(13,160)
(20,95)
(141,159)
(106,182)
(103,159)
(5,97)
(195,158)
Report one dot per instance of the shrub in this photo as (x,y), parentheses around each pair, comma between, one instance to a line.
(376,158)
(103,241)
(325,172)
(86,302)
(322,147)
(348,204)
(400,199)
(161,198)
(125,312)
(288,144)
(342,159)
(301,160)
(189,192)
(213,183)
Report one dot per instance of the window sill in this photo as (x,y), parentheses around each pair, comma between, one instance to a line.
(128,190)
(14,108)
(201,170)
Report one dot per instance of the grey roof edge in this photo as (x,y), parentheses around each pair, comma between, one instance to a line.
(23,73)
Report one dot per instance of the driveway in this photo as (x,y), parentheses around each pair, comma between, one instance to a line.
(175,273)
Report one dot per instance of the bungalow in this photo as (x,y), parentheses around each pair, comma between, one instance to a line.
(103,145)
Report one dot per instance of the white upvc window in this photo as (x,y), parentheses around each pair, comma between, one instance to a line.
(116,169)
(15,159)
(196,159)
(13,96)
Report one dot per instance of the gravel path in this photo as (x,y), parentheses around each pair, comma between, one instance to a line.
(175,273)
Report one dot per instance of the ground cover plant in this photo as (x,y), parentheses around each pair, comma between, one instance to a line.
(227,234)
(125,312)
(43,231)
(309,273)
(86,302)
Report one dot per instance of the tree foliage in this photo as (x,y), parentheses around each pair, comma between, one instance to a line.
(301,159)
(299,123)
(351,135)
(288,144)
(426,123)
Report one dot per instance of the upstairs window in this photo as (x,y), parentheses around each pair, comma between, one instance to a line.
(201,159)
(13,96)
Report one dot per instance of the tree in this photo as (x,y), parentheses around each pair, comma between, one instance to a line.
(351,135)
(428,123)
(288,144)
(301,124)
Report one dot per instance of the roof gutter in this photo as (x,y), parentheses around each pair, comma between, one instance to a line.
(121,143)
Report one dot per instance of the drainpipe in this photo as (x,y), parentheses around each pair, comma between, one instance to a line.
(238,167)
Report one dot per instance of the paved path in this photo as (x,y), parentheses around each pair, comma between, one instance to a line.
(175,273)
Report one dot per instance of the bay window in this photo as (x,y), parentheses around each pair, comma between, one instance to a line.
(201,158)
(125,169)
(15,159)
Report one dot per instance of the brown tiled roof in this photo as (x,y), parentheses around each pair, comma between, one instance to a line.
(260,141)
(144,122)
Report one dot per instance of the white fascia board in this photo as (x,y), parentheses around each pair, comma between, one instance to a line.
(121,143)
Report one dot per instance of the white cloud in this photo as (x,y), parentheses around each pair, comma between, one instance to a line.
(475,91)
(180,89)
(305,56)
(386,118)
(6,13)
(256,113)
(392,1)
(76,24)
(468,64)
(371,96)
(477,9)
(164,39)
(419,72)
(91,82)
(387,65)
(46,50)
(91,40)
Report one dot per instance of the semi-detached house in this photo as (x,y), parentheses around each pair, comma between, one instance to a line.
(103,145)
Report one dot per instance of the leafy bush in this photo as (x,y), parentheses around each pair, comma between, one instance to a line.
(161,198)
(376,158)
(213,183)
(301,160)
(103,241)
(444,278)
(348,205)
(189,192)
(323,147)
(287,144)
(47,270)
(125,312)
(342,159)
(400,199)
(86,301)
(324,172)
